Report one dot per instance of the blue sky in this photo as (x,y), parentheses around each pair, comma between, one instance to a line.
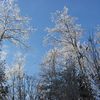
(87,12)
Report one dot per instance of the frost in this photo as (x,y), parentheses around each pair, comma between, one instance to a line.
(17,68)
(13,26)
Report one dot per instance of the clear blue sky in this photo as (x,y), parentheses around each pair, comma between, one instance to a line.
(87,12)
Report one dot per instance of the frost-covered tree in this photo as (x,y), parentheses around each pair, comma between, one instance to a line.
(58,79)
(15,78)
(3,86)
(93,56)
(13,26)
(48,87)
(21,85)
(66,35)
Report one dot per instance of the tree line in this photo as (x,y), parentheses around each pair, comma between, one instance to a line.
(69,71)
